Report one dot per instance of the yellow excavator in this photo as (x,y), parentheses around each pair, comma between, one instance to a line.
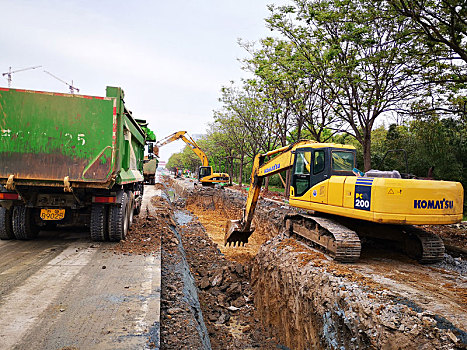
(205,173)
(342,205)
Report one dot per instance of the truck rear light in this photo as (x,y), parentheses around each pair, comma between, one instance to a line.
(101,199)
(11,196)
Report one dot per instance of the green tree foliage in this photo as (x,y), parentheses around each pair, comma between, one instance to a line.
(433,142)
(175,161)
(337,71)
(297,100)
(440,30)
(357,53)
(441,24)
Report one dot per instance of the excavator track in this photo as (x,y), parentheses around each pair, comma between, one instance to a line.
(340,237)
(424,246)
(418,244)
(339,241)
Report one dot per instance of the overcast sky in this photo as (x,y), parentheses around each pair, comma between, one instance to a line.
(171,57)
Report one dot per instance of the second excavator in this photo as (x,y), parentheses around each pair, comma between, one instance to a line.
(342,205)
(205,172)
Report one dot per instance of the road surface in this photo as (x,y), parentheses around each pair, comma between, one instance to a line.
(64,291)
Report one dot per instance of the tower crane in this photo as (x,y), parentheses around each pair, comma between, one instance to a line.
(9,73)
(71,87)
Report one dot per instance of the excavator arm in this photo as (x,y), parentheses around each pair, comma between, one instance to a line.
(238,231)
(189,141)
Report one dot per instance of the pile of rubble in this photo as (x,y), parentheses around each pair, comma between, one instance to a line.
(224,292)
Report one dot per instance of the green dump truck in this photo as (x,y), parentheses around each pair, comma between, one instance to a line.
(69,159)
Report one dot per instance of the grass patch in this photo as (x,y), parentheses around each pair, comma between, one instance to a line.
(276,189)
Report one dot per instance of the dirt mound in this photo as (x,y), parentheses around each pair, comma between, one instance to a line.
(144,236)
(453,236)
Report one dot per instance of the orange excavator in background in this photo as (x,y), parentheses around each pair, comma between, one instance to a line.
(205,172)
(343,205)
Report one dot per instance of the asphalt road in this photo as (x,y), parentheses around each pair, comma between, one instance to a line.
(64,291)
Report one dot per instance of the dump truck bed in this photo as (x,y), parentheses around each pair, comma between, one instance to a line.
(46,137)
(150,167)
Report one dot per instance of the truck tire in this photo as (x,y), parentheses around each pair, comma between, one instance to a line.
(24,227)
(6,225)
(98,225)
(118,218)
(139,200)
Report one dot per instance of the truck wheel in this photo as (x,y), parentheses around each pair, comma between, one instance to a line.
(139,200)
(6,226)
(99,222)
(118,218)
(23,225)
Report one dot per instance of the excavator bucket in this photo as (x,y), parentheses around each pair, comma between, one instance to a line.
(235,234)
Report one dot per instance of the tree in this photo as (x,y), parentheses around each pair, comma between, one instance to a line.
(442,24)
(175,161)
(245,117)
(283,71)
(358,55)
(235,139)
(189,159)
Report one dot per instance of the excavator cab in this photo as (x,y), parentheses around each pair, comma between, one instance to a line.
(204,171)
(314,165)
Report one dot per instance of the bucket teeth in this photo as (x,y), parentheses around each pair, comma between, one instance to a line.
(235,235)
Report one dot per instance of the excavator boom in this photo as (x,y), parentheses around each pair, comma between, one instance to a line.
(189,141)
(238,231)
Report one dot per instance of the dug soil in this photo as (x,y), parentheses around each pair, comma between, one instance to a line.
(256,296)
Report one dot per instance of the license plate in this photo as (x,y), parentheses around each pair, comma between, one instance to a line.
(52,214)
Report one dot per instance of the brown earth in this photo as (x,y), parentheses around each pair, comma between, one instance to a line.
(224,292)
(144,235)
(437,292)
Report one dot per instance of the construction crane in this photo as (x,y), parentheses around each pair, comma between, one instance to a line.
(9,73)
(71,87)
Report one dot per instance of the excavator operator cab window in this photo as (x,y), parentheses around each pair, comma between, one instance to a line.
(318,162)
(204,171)
(303,163)
(343,161)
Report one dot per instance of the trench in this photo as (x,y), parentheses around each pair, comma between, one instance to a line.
(305,300)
